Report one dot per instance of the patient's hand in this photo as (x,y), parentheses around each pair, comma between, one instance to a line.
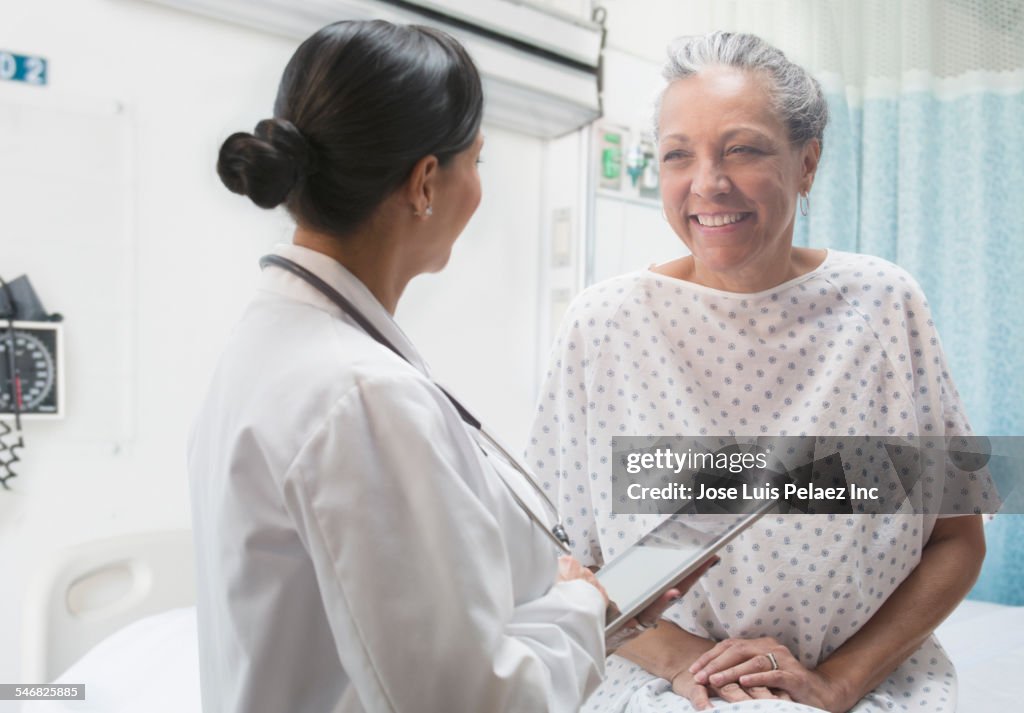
(667,652)
(684,684)
(746,663)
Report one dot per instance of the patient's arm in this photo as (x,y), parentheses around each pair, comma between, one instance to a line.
(949,566)
(666,650)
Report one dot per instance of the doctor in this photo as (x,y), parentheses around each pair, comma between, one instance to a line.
(362,544)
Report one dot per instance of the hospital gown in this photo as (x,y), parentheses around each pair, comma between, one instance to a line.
(848,349)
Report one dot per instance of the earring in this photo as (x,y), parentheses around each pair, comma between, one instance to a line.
(804,201)
(425,214)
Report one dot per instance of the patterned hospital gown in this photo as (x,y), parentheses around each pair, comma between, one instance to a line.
(849,349)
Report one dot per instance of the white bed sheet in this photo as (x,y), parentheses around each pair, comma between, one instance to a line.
(986,643)
(152,665)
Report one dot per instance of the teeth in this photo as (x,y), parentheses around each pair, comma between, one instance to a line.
(719,219)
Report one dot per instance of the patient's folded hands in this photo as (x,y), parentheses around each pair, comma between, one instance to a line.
(684,684)
(732,670)
(761,666)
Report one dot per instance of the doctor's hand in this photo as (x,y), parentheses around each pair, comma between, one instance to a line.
(766,664)
(569,569)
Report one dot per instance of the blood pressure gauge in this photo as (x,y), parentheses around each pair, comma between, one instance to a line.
(36,386)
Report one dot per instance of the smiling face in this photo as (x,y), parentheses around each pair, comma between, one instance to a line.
(730,178)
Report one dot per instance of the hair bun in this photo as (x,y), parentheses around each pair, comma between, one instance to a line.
(266,165)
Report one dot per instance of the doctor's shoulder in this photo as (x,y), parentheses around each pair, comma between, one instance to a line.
(394,426)
(287,366)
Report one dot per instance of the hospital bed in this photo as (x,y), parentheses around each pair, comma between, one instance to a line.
(118,615)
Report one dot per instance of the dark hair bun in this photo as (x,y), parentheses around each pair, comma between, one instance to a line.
(360,102)
(265,166)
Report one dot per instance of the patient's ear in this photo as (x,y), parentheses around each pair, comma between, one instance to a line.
(811,154)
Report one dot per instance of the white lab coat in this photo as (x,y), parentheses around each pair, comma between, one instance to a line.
(356,550)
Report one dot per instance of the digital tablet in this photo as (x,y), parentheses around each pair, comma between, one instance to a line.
(635,579)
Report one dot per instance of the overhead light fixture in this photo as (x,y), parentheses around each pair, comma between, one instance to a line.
(540,69)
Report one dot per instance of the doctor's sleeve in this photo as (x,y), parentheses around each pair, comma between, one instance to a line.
(414,571)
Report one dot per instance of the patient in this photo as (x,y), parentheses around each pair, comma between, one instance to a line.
(749,335)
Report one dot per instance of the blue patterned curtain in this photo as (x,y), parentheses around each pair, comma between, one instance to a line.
(931,177)
(936,185)
(923,161)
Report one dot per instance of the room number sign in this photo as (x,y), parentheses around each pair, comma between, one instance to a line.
(22,68)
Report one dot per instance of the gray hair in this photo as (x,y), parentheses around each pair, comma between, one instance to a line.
(798,98)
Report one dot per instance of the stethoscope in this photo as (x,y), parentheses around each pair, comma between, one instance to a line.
(556,533)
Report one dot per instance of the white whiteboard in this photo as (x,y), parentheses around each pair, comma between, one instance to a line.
(65,220)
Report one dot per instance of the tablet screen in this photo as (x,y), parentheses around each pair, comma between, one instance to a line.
(674,549)
(630,578)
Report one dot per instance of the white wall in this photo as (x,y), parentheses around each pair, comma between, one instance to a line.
(184,83)
(476,321)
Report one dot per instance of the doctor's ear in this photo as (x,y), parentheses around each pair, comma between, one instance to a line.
(421,186)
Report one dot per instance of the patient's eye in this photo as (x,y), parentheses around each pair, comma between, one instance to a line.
(676,155)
